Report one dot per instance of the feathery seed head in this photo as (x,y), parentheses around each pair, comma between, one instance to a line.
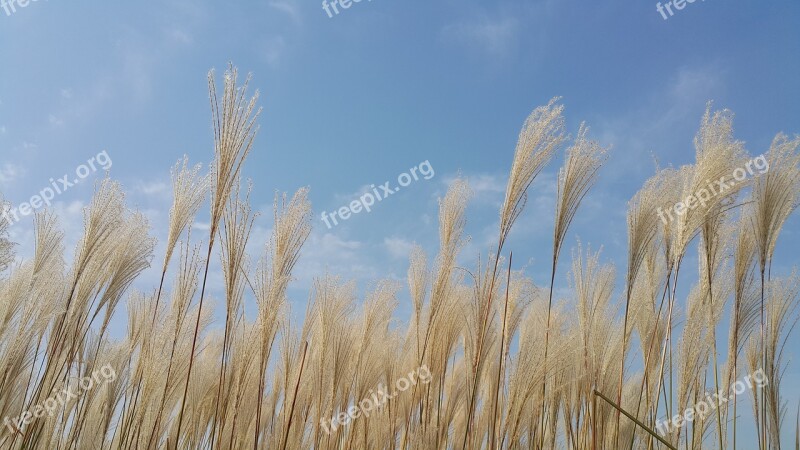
(189,189)
(541,135)
(234,124)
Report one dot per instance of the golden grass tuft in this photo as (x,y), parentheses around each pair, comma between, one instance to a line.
(511,364)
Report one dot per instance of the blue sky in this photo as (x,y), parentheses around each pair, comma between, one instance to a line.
(361,97)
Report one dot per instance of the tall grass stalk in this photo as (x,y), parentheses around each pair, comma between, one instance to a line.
(486,359)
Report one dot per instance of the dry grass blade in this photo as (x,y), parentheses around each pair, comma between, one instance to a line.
(636,421)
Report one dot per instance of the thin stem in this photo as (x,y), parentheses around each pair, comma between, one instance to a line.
(294,399)
(194,340)
(622,362)
(546,348)
(636,421)
(645,386)
(479,348)
(714,339)
(500,374)
(666,345)
(763,389)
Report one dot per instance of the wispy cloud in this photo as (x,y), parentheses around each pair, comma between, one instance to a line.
(152,187)
(55,121)
(398,247)
(328,253)
(348,197)
(484,188)
(129,77)
(272,49)
(287,7)
(180,36)
(494,36)
(10,173)
(660,122)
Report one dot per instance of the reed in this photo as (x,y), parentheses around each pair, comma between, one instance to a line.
(510,364)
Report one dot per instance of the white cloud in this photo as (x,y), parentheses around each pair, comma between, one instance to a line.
(488,184)
(330,253)
(202,226)
(129,77)
(180,36)
(10,173)
(659,123)
(345,199)
(273,49)
(138,66)
(494,36)
(55,121)
(152,187)
(85,105)
(398,247)
(693,82)
(288,7)
(485,188)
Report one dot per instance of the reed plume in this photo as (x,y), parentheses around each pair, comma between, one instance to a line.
(234,125)
(776,194)
(480,356)
(579,173)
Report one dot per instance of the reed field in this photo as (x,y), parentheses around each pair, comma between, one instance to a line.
(487,359)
